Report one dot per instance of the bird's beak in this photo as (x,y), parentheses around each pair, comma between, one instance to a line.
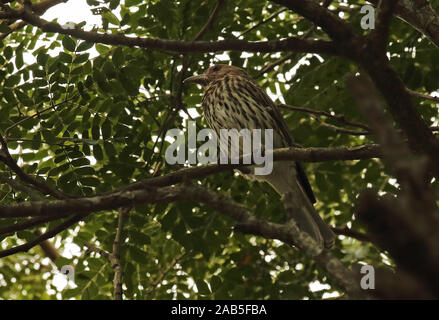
(200,79)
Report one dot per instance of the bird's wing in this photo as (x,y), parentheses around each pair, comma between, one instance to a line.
(274,112)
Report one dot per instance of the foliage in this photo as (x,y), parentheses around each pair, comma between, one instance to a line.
(87,118)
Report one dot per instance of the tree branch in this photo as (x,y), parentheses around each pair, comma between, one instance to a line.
(95,249)
(288,233)
(289,44)
(48,248)
(343,120)
(348,232)
(339,118)
(399,102)
(38,240)
(271,65)
(335,27)
(297,154)
(115,262)
(376,64)
(27,224)
(163,273)
(39,9)
(380,35)
(420,15)
(7,159)
(210,21)
(423,96)
(406,226)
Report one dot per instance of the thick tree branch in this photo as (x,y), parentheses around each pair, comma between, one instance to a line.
(39,9)
(297,154)
(376,63)
(394,148)
(288,233)
(335,27)
(402,227)
(420,15)
(380,35)
(420,136)
(290,44)
(48,248)
(406,226)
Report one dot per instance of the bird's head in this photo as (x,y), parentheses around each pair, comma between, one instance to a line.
(216,72)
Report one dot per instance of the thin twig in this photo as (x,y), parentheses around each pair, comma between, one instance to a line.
(339,118)
(271,65)
(37,114)
(115,263)
(210,21)
(423,95)
(7,159)
(95,249)
(179,94)
(38,240)
(271,16)
(114,257)
(348,232)
(163,273)
(48,248)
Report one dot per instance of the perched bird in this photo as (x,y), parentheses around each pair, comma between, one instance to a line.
(232,100)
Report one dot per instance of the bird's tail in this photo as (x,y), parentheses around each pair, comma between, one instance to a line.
(301,208)
(311,222)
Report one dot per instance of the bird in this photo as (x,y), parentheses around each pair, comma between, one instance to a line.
(233,100)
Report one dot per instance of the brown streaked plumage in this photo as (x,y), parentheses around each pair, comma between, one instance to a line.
(232,100)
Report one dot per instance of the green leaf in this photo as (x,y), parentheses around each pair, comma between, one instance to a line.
(80,162)
(215,283)
(202,287)
(7,53)
(9,96)
(68,43)
(65,57)
(111,18)
(106,129)
(139,238)
(84,46)
(118,57)
(42,58)
(97,152)
(19,59)
(81,58)
(4,27)
(110,150)
(138,255)
(114,4)
(84,171)
(90,181)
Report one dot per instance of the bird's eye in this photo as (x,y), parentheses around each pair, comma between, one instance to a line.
(215,68)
